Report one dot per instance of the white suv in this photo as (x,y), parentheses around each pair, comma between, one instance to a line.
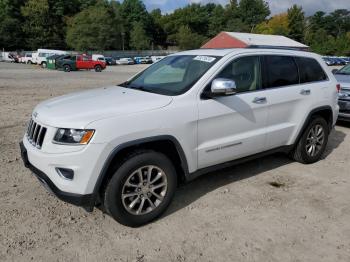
(127,147)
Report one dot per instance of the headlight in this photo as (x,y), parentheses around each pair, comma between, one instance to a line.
(73,136)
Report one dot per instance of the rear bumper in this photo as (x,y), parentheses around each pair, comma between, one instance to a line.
(344,117)
(344,110)
(86,201)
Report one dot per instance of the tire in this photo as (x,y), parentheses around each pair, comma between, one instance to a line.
(98,68)
(43,65)
(67,68)
(119,206)
(301,152)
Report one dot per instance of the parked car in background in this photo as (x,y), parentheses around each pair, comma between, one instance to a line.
(110,61)
(27,58)
(148,60)
(41,55)
(78,62)
(156,59)
(329,61)
(343,77)
(140,60)
(125,61)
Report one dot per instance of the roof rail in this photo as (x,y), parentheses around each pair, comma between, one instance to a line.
(279,47)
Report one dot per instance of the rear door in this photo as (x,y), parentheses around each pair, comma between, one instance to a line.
(290,90)
(232,127)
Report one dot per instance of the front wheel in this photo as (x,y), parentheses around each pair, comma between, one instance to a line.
(43,65)
(141,188)
(313,142)
(98,68)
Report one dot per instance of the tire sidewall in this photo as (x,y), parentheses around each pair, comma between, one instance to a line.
(113,201)
(309,159)
(98,68)
(66,68)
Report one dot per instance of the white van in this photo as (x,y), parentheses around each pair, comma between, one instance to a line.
(40,56)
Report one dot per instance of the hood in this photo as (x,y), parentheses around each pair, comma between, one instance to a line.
(79,109)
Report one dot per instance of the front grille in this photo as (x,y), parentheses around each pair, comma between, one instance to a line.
(36,134)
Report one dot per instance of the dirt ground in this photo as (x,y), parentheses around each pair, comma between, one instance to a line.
(231,215)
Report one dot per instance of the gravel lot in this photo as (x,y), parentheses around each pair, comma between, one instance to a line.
(231,215)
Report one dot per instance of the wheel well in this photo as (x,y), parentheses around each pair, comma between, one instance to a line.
(326,114)
(167,147)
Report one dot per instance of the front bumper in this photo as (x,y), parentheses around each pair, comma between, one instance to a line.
(87,201)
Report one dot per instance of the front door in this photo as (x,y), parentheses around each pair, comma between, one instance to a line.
(232,127)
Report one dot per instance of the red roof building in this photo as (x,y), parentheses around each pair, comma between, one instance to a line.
(244,40)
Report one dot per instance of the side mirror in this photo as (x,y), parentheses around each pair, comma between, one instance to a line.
(334,71)
(223,87)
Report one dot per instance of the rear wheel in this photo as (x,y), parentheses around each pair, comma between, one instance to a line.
(98,68)
(313,142)
(141,188)
(43,65)
(67,68)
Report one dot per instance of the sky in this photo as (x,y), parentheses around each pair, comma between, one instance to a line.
(276,6)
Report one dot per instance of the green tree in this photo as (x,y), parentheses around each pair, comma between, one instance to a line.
(95,28)
(11,34)
(296,23)
(135,11)
(138,37)
(277,25)
(45,22)
(158,33)
(253,12)
(186,39)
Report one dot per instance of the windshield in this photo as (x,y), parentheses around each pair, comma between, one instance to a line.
(344,71)
(174,75)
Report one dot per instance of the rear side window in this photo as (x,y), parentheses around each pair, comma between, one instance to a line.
(280,71)
(310,70)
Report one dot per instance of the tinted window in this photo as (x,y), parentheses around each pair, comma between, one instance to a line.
(280,71)
(245,71)
(310,70)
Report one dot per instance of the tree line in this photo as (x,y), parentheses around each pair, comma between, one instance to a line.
(111,25)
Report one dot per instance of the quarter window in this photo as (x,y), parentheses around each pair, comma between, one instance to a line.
(245,71)
(280,71)
(310,70)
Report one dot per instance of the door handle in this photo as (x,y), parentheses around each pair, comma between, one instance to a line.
(260,100)
(305,92)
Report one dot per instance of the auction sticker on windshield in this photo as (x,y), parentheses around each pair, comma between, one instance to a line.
(207,59)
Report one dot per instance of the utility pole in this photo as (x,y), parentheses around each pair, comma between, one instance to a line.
(123,35)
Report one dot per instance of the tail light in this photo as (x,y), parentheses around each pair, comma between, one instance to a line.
(338,88)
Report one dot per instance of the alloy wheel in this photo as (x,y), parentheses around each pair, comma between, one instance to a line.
(144,190)
(315,140)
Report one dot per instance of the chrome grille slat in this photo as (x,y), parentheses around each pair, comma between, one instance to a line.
(36,134)
(32,132)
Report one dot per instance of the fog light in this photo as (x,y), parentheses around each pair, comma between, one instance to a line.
(65,173)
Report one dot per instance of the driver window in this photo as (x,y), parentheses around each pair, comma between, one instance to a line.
(245,71)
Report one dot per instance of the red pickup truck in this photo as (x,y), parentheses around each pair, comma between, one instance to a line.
(73,63)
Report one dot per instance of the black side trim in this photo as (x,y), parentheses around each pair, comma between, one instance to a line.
(86,201)
(200,172)
(117,149)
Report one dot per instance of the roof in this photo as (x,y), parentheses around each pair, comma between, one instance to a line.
(266,40)
(243,40)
